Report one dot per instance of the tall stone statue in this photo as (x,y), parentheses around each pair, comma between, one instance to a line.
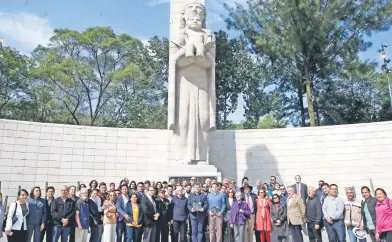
(191,100)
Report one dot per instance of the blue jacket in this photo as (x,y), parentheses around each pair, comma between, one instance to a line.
(120,208)
(197,198)
(37,214)
(128,210)
(180,208)
(217,201)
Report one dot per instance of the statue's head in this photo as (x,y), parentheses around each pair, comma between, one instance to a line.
(192,10)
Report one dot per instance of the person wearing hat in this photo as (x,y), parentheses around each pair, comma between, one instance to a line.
(250,199)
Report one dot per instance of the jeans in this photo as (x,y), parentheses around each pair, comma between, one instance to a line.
(96,233)
(197,222)
(34,229)
(132,233)
(180,227)
(120,231)
(336,231)
(352,237)
(61,231)
(239,232)
(174,237)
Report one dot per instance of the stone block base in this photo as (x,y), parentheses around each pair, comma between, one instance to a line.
(185,171)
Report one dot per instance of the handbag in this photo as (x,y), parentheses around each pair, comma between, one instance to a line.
(14,218)
(242,214)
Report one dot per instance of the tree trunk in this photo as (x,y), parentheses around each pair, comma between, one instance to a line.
(309,96)
(301,103)
(316,107)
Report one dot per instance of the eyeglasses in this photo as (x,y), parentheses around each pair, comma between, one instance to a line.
(282,189)
(204,186)
(276,198)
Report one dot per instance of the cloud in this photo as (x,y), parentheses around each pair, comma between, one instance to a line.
(157,2)
(24,30)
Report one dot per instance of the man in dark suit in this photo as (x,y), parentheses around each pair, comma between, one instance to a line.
(121,202)
(72,195)
(250,198)
(165,217)
(151,215)
(49,221)
(301,189)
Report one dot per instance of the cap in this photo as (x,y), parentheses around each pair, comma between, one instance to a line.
(360,234)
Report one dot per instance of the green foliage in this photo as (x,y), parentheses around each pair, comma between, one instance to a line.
(271,122)
(97,77)
(14,81)
(307,42)
(232,62)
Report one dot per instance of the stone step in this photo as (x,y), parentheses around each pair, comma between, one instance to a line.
(193,170)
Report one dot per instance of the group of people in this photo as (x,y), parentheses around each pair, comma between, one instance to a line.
(187,211)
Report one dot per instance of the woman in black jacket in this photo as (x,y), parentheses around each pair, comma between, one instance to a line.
(229,202)
(278,213)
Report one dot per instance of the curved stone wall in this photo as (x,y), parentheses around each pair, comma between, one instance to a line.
(36,153)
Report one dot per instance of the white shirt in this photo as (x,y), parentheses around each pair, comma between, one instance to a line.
(249,197)
(125,199)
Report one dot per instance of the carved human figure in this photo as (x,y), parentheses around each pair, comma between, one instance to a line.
(191,103)
(194,37)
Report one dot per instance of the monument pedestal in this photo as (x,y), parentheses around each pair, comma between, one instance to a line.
(200,172)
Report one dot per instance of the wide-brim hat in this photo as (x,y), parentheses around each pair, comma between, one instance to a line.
(247,185)
(360,234)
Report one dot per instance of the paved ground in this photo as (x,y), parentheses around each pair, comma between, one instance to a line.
(325,238)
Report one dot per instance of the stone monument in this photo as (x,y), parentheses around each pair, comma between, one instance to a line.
(191,99)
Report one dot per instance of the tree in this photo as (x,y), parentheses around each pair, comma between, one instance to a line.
(230,54)
(307,38)
(258,101)
(82,70)
(141,100)
(271,122)
(358,96)
(14,80)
